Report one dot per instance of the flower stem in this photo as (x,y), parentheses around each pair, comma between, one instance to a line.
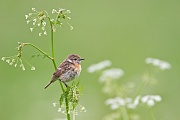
(52,46)
(146,80)
(39,50)
(124,113)
(74,114)
(151,113)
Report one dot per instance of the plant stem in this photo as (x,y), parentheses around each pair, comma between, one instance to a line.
(151,113)
(124,113)
(143,84)
(145,81)
(38,50)
(74,114)
(52,46)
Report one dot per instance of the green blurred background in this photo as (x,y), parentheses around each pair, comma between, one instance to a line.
(123,31)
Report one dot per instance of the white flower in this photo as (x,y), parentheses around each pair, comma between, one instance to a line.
(38,24)
(151,99)
(157,98)
(8,60)
(59,110)
(34,19)
(71,28)
(54,11)
(163,65)
(26,16)
(115,103)
(52,20)
(54,104)
(150,102)
(31,29)
(99,66)
(45,33)
(44,23)
(28,21)
(40,34)
(30,14)
(33,68)
(145,99)
(11,63)
(68,11)
(33,9)
(43,28)
(15,65)
(3,58)
(69,18)
(135,103)
(83,109)
(23,68)
(156,62)
(113,73)
(61,9)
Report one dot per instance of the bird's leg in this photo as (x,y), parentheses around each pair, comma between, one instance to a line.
(65,84)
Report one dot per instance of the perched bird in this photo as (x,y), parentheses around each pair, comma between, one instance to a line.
(69,69)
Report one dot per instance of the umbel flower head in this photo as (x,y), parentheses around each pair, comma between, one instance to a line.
(17,59)
(163,65)
(117,102)
(40,19)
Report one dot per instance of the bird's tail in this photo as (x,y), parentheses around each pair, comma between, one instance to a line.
(48,84)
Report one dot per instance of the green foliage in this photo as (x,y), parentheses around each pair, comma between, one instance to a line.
(72,94)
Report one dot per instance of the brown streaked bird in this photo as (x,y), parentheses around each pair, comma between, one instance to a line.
(69,69)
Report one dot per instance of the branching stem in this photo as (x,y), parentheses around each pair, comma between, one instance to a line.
(44,53)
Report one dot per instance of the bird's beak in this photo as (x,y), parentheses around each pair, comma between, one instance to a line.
(81,59)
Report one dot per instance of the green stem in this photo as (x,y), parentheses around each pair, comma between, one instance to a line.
(151,113)
(74,114)
(124,113)
(52,46)
(145,81)
(39,50)
(140,89)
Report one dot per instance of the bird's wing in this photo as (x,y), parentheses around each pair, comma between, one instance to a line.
(63,68)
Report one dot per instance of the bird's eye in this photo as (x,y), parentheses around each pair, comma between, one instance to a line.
(75,59)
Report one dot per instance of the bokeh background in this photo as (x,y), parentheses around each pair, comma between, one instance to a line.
(123,31)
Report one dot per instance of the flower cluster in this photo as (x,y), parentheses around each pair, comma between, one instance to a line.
(123,106)
(14,60)
(151,99)
(113,73)
(117,102)
(38,19)
(163,65)
(62,109)
(99,66)
(61,14)
(73,95)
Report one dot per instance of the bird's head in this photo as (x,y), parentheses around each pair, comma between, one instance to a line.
(74,58)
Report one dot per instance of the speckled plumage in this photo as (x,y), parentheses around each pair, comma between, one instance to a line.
(67,70)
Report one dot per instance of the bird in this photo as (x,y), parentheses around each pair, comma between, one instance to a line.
(68,70)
